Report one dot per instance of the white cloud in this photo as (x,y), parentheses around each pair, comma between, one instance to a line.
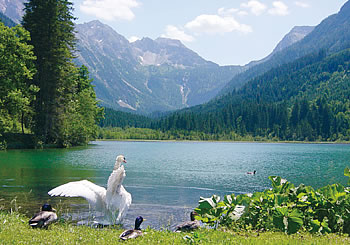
(242,13)
(175,33)
(226,12)
(279,8)
(110,9)
(302,4)
(256,7)
(133,39)
(216,24)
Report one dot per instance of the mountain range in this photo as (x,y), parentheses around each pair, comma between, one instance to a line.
(148,75)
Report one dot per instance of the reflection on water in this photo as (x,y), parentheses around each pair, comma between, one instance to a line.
(165,179)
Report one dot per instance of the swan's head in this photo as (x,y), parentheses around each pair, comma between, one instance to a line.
(47,207)
(138,222)
(121,159)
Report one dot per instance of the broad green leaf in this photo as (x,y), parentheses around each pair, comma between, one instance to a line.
(324,226)
(280,199)
(228,199)
(347,171)
(280,218)
(315,226)
(333,192)
(206,203)
(275,181)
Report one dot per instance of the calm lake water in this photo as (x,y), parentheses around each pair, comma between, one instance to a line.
(165,179)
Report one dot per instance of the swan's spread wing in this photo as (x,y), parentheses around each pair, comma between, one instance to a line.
(124,204)
(94,194)
(115,180)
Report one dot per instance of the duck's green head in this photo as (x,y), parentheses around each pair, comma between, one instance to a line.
(47,207)
(138,222)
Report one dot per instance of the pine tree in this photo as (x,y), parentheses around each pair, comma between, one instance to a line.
(51,27)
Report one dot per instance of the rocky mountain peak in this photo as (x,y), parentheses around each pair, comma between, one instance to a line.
(12,9)
(295,35)
(169,42)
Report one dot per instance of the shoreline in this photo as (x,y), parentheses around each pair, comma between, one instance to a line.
(230,141)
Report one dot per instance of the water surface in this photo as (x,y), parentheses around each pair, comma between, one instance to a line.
(165,179)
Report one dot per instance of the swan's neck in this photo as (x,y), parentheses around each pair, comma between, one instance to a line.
(116,165)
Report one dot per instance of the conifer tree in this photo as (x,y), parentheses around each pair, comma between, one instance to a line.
(51,27)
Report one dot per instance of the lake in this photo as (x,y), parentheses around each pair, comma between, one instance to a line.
(165,179)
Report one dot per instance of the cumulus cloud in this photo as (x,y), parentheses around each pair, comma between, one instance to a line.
(212,24)
(242,13)
(110,9)
(175,33)
(279,8)
(302,4)
(256,7)
(226,12)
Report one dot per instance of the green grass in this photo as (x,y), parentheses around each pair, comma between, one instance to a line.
(14,229)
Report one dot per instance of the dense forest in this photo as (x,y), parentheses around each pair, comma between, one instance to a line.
(43,96)
(306,100)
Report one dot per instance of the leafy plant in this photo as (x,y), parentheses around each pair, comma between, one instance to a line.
(283,207)
(347,173)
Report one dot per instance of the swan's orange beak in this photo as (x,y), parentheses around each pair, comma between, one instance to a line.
(124,161)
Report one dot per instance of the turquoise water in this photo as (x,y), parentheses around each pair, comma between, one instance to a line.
(165,179)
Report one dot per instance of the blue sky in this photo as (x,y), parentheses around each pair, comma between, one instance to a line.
(226,32)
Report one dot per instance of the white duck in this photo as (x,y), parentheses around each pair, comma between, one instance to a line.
(113,202)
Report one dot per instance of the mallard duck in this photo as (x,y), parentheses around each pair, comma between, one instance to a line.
(189,225)
(113,202)
(44,218)
(252,173)
(128,234)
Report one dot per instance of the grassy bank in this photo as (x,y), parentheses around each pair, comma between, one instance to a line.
(130,133)
(14,229)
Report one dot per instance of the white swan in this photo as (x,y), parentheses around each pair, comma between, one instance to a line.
(113,202)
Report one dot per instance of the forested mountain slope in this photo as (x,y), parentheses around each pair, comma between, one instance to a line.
(308,99)
(12,9)
(6,20)
(331,35)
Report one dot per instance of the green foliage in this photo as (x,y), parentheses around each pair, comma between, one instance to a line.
(347,173)
(16,68)
(81,113)
(283,207)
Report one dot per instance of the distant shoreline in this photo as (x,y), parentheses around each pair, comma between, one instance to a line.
(228,141)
